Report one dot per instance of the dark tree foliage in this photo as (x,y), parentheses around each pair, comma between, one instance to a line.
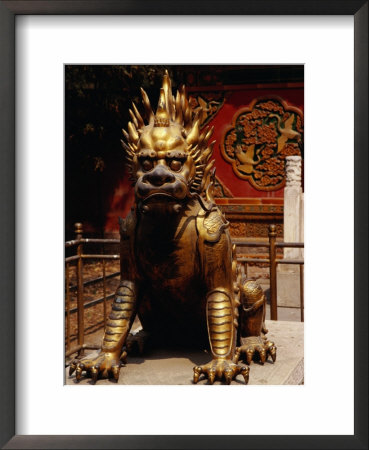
(97,99)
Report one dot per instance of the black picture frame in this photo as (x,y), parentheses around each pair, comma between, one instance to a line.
(8,11)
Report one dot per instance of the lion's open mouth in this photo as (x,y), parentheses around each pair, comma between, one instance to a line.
(159,203)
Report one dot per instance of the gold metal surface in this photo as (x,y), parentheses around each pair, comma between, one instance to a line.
(178,268)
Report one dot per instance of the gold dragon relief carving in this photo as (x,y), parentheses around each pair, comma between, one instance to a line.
(260,138)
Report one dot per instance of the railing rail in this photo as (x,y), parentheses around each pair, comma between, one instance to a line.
(79,242)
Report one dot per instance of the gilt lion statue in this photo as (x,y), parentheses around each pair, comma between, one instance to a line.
(178,266)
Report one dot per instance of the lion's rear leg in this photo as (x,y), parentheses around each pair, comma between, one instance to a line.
(139,339)
(138,343)
(253,342)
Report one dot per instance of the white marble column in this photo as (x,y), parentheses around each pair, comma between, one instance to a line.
(288,275)
(293,207)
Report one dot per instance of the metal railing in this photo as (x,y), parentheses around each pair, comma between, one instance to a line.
(272,245)
(78,259)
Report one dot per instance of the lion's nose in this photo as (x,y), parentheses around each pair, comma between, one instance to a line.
(159,176)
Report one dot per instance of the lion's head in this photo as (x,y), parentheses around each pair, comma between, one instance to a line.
(168,157)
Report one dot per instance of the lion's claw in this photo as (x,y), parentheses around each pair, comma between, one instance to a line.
(211,375)
(272,350)
(255,347)
(95,370)
(97,366)
(245,372)
(79,371)
(72,368)
(262,353)
(228,375)
(219,369)
(115,371)
(197,372)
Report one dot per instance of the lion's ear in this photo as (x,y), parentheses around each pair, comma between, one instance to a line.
(129,155)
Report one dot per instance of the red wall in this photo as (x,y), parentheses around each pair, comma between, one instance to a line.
(237,100)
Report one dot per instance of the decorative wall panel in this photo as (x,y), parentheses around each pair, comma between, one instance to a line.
(260,138)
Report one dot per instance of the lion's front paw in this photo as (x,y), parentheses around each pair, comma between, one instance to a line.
(219,369)
(257,348)
(100,365)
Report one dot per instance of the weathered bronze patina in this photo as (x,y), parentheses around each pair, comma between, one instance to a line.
(178,267)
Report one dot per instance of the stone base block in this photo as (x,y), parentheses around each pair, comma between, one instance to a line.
(288,286)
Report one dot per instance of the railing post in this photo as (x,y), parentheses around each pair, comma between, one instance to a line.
(302,291)
(80,311)
(273,272)
(104,292)
(67,301)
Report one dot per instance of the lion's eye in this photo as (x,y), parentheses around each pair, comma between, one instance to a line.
(147,165)
(175,165)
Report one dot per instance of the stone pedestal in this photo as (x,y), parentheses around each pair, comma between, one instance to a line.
(288,286)
(176,366)
(288,275)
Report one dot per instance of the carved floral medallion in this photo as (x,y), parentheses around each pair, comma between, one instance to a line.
(260,138)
